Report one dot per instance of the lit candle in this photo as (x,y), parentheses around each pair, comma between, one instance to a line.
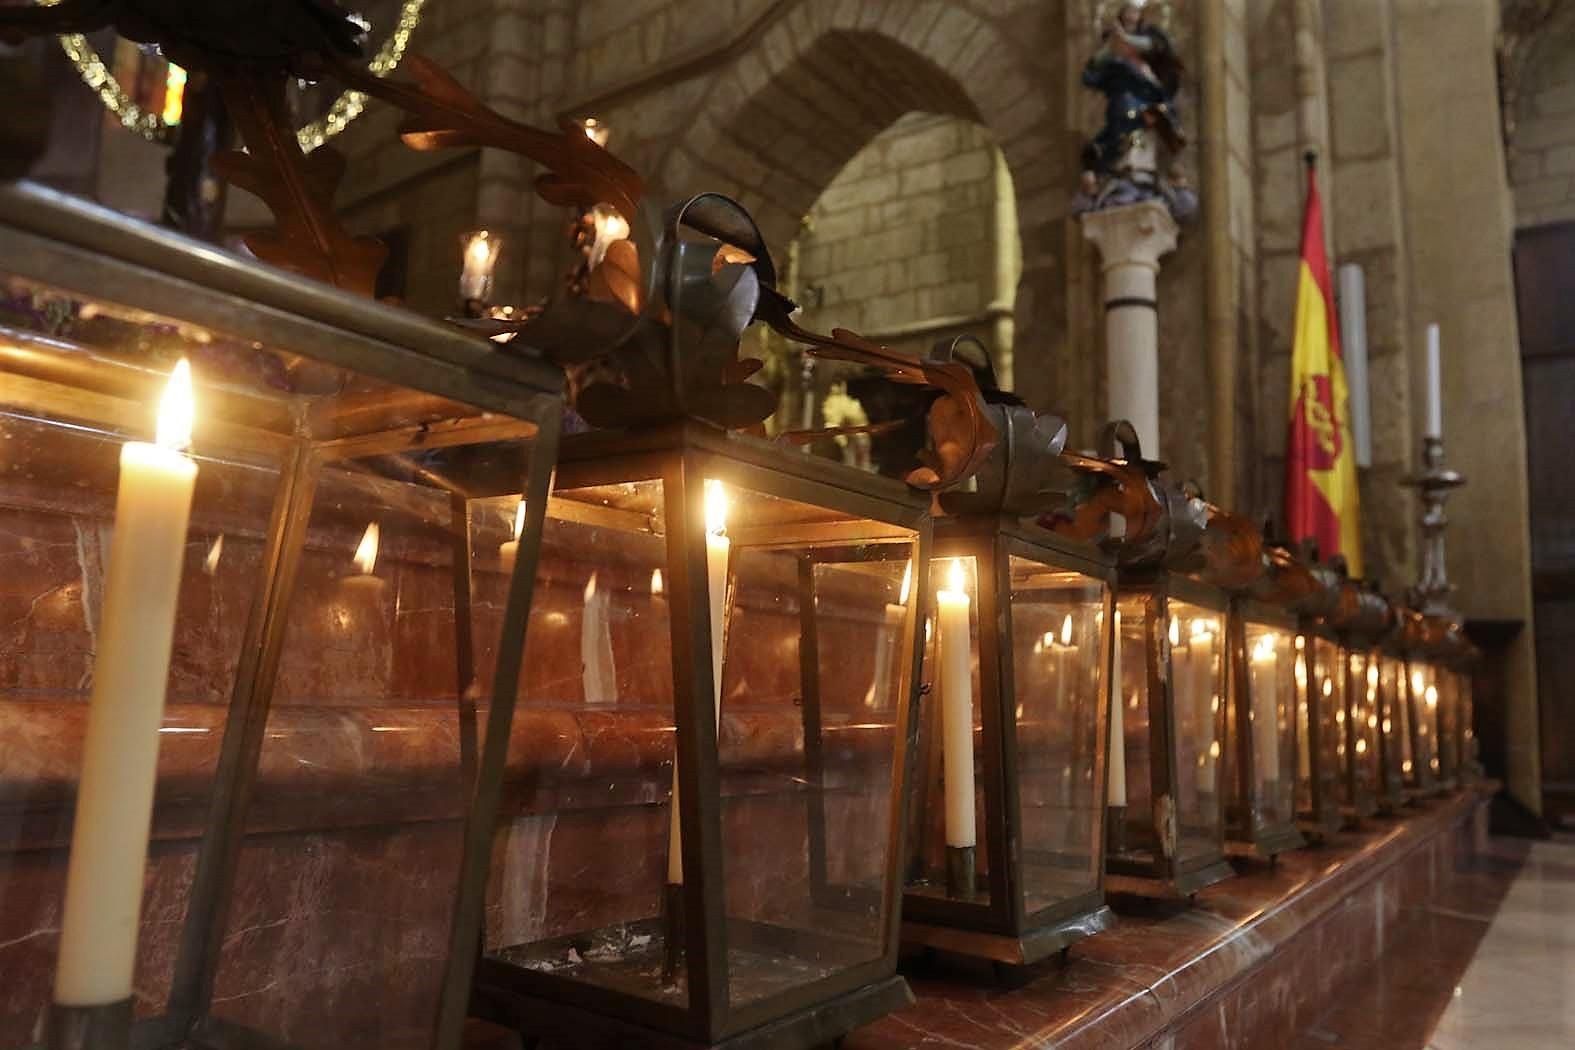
(885,639)
(114,811)
(1435,386)
(956,678)
(480,258)
(509,550)
(1265,699)
(365,559)
(716,554)
(596,654)
(1118,741)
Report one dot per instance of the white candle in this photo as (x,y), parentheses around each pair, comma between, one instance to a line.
(716,554)
(114,811)
(886,635)
(1117,795)
(596,655)
(509,550)
(1263,706)
(1435,386)
(956,679)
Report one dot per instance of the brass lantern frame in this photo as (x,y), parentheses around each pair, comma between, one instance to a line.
(73,245)
(1247,834)
(1162,873)
(571,1012)
(1001,928)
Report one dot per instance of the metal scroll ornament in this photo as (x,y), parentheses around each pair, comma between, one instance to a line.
(1161,523)
(652,335)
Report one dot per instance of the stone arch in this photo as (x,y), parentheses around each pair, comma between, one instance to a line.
(776,125)
(1539,86)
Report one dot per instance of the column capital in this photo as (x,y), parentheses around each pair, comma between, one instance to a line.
(1132,234)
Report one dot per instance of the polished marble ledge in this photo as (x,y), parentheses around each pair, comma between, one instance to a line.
(1248,958)
(342,765)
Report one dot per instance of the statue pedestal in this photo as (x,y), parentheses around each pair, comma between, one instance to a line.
(1131,239)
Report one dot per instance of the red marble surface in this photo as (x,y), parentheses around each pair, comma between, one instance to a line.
(1253,957)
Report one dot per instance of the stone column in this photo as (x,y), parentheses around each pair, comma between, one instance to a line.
(1131,239)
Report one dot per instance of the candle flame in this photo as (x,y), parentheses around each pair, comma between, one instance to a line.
(715,507)
(1066,630)
(1431,696)
(955,581)
(519,519)
(479,251)
(1263,649)
(590,587)
(1175,631)
(366,553)
(176,409)
(1416,681)
(1328,687)
(656,582)
(210,564)
(1372,676)
(1301,643)
(907,582)
(1047,642)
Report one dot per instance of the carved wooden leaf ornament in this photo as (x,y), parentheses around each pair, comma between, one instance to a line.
(299,189)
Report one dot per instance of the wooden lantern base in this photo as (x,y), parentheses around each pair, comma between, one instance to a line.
(1266,843)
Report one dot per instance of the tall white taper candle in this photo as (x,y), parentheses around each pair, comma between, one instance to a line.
(716,553)
(956,679)
(109,840)
(1435,386)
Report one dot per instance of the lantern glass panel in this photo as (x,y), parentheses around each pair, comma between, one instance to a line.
(317,414)
(1403,720)
(927,868)
(1363,689)
(1468,733)
(1137,834)
(1197,669)
(806,750)
(1271,686)
(580,859)
(1327,731)
(1058,677)
(1424,708)
(1448,721)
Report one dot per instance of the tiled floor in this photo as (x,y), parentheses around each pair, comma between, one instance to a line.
(1489,966)
(1519,991)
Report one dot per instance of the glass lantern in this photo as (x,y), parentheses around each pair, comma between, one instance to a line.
(1394,729)
(1422,699)
(1007,858)
(1320,747)
(1260,733)
(1448,684)
(1470,761)
(1359,725)
(1167,835)
(308,754)
(703,830)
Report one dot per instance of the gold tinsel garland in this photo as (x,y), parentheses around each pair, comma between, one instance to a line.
(152,127)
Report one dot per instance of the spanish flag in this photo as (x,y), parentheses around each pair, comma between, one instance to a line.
(1320,459)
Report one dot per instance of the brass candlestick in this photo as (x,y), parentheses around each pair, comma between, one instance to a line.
(1433,482)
